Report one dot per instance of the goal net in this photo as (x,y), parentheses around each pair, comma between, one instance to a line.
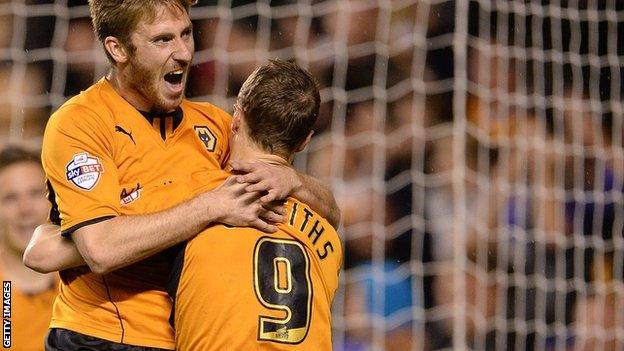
(474,147)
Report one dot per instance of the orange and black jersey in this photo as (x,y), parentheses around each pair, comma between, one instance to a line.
(102,159)
(242,289)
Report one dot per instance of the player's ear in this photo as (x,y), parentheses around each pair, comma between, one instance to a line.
(236,123)
(305,142)
(116,49)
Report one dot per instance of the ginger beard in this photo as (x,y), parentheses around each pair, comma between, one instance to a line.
(152,85)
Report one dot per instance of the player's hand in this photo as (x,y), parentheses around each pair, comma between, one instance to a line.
(275,181)
(237,207)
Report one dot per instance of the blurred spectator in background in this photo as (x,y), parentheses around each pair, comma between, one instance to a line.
(479,302)
(23,206)
(598,321)
(23,100)
(81,48)
(380,297)
(6,29)
(591,164)
(597,313)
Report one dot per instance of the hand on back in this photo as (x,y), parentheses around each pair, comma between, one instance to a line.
(275,181)
(242,208)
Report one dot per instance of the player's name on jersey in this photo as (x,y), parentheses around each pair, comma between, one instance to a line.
(310,225)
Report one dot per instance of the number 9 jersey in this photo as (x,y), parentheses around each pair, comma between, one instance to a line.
(243,289)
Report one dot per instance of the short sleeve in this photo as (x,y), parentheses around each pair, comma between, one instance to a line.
(77,156)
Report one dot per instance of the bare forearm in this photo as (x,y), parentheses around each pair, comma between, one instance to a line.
(120,241)
(319,197)
(49,252)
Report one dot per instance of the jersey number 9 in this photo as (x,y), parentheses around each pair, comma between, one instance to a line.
(282,283)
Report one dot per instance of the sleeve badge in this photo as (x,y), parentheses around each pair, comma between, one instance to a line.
(84,171)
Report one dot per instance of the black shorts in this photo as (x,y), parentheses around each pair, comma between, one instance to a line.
(67,340)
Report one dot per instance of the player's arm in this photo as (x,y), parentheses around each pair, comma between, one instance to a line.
(48,251)
(281,181)
(311,191)
(117,242)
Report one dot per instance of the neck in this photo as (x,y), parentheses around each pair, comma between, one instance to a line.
(25,279)
(126,91)
(246,152)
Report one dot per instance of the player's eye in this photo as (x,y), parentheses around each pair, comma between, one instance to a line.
(8,199)
(36,193)
(162,39)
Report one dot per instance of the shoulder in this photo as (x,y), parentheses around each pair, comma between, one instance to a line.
(78,119)
(90,107)
(83,120)
(300,211)
(207,110)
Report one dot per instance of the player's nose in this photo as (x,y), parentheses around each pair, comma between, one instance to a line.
(184,50)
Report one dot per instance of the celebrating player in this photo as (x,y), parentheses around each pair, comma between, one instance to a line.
(123,160)
(242,289)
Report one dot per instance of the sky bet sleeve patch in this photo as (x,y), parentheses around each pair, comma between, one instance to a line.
(84,171)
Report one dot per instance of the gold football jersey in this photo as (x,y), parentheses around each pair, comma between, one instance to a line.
(102,159)
(243,289)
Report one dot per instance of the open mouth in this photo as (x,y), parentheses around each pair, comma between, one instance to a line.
(174,77)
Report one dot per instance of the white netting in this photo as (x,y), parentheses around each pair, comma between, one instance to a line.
(542,175)
(475,148)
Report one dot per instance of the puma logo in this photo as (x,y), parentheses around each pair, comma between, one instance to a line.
(123,131)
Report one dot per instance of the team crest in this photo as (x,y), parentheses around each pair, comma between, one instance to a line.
(206,137)
(84,171)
